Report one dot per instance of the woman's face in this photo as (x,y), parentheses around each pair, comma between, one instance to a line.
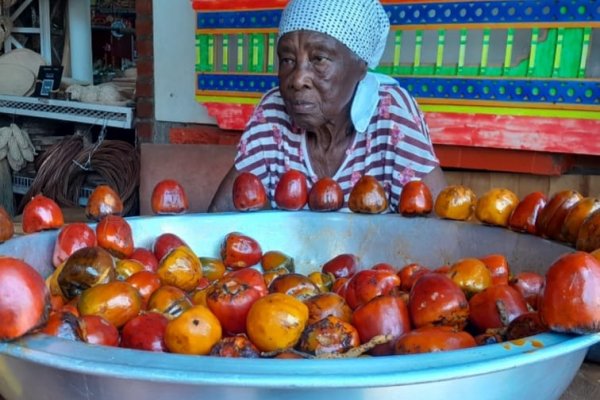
(317,78)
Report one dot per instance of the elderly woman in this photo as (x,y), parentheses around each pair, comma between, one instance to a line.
(330,116)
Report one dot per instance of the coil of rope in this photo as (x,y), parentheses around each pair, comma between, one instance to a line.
(65,168)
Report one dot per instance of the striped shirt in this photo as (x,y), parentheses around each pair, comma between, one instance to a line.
(395,148)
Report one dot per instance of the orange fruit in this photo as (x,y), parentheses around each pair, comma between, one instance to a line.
(471,275)
(495,206)
(195,331)
(455,202)
(180,268)
(276,321)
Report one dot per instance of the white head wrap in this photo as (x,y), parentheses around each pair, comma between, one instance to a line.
(362,25)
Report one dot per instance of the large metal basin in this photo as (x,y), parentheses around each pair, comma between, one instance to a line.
(541,367)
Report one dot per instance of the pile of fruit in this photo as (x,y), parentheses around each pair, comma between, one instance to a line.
(252,303)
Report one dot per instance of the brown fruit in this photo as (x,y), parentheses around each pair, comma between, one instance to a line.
(87,267)
(24,298)
(575,217)
(102,202)
(326,195)
(328,335)
(570,298)
(455,202)
(495,206)
(41,213)
(295,285)
(525,215)
(326,304)
(588,238)
(368,196)
(249,193)
(169,197)
(415,199)
(7,228)
(550,221)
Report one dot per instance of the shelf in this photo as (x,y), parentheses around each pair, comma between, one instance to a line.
(22,183)
(85,113)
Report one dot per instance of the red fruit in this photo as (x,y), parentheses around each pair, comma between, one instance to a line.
(436,300)
(367,284)
(496,307)
(368,196)
(240,251)
(409,274)
(145,332)
(431,339)
(169,197)
(524,216)
(71,238)
(231,297)
(146,257)
(62,324)
(530,285)
(41,213)
(114,234)
(102,202)
(552,216)
(146,283)
(248,193)
(339,287)
(291,192)
(24,298)
(94,329)
(166,242)
(415,199)
(341,266)
(498,267)
(571,298)
(383,315)
(384,267)
(7,228)
(525,325)
(326,195)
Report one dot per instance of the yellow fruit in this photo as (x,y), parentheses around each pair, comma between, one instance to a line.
(276,321)
(455,202)
(496,206)
(195,331)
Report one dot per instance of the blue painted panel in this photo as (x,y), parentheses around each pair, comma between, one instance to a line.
(458,13)
(515,90)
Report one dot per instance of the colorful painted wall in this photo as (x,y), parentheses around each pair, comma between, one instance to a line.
(494,75)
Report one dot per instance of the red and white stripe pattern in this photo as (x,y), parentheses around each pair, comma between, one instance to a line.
(395,149)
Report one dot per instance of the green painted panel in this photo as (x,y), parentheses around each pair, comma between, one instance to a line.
(571,53)
(256,52)
(544,56)
(205,50)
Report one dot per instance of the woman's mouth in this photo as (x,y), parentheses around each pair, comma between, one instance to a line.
(302,107)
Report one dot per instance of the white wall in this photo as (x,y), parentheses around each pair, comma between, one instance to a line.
(174,63)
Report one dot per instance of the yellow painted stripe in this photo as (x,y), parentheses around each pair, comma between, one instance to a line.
(517,111)
(207,97)
(226,31)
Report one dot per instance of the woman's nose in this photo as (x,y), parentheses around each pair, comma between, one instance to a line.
(301,76)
